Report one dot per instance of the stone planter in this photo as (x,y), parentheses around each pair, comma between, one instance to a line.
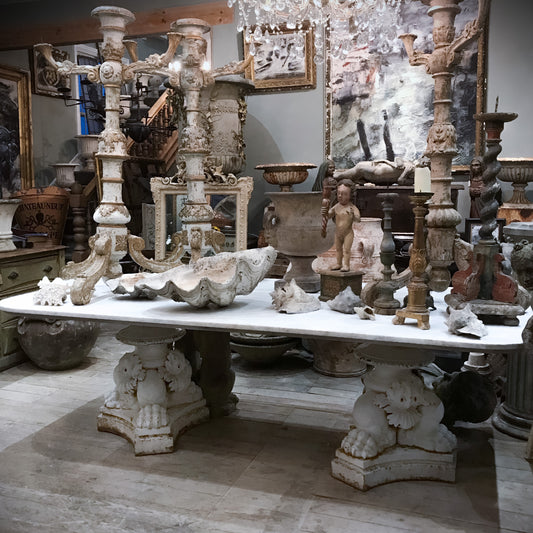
(296,231)
(87,147)
(57,344)
(227,115)
(65,174)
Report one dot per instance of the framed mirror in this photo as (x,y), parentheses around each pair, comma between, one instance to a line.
(16,158)
(230,203)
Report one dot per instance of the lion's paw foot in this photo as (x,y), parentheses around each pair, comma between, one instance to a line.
(360,443)
(152,417)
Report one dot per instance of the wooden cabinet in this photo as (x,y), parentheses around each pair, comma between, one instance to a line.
(20,271)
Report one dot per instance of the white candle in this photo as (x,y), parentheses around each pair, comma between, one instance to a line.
(422,179)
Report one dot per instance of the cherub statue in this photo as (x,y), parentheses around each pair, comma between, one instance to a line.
(344,214)
(380,172)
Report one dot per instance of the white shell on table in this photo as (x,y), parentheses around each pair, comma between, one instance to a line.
(291,298)
(216,279)
(345,301)
(465,322)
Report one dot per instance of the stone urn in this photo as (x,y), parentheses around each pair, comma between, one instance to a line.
(87,147)
(7,212)
(57,344)
(296,231)
(519,172)
(285,174)
(365,250)
(227,115)
(65,174)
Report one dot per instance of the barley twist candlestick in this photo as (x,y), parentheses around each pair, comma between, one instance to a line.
(417,288)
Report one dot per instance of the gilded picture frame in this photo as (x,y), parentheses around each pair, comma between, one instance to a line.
(274,68)
(16,157)
(378,106)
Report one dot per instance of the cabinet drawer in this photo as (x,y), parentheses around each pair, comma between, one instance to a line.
(25,275)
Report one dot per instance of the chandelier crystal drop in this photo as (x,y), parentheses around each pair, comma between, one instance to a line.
(346,23)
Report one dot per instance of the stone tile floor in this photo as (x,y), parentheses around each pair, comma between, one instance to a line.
(264,469)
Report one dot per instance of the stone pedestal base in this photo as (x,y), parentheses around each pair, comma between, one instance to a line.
(394,464)
(332,282)
(154,399)
(516,213)
(515,424)
(336,358)
(489,311)
(515,415)
(148,441)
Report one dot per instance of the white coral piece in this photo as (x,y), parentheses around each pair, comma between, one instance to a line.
(51,292)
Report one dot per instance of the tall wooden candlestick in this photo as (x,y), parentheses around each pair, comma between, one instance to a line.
(385,303)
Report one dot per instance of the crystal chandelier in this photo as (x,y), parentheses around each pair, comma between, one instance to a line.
(349,23)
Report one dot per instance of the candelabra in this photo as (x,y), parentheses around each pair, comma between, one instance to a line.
(112,240)
(441,145)
(417,288)
(385,303)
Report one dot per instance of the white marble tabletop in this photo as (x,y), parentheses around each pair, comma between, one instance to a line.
(254,313)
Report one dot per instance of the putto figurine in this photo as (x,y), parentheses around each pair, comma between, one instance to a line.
(345,214)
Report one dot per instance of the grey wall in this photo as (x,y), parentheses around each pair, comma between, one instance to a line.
(510,72)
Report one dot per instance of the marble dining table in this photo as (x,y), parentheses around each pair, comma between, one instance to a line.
(156,399)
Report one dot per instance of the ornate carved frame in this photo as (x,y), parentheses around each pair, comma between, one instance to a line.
(162,187)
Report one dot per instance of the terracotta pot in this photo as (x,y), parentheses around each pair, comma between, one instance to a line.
(43,211)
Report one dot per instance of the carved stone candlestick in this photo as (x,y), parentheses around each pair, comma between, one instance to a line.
(492,295)
(385,303)
(441,147)
(417,288)
(112,240)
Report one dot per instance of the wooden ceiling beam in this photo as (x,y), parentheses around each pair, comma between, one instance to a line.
(86,30)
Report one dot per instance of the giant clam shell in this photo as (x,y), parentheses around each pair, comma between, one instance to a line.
(216,279)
